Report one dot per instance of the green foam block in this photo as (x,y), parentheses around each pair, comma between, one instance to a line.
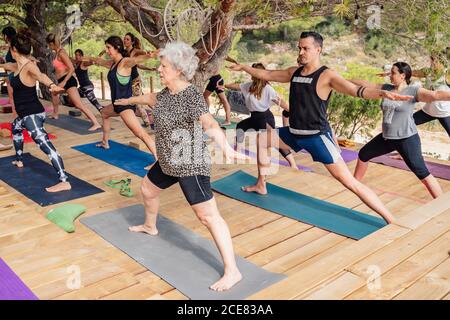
(64,216)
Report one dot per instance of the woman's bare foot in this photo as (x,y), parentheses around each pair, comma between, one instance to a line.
(103,145)
(260,189)
(145,229)
(53,116)
(18,164)
(396,157)
(62,186)
(226,123)
(95,126)
(227,281)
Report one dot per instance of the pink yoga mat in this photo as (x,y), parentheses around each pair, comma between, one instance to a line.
(4,101)
(11,287)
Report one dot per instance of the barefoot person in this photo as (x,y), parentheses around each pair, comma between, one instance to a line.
(259,97)
(181,115)
(119,79)
(64,71)
(310,89)
(31,113)
(399,130)
(215,84)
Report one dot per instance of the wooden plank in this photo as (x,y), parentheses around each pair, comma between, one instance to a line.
(322,270)
(433,286)
(402,276)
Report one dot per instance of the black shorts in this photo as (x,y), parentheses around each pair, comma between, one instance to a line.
(119,109)
(409,148)
(72,82)
(196,189)
(214,81)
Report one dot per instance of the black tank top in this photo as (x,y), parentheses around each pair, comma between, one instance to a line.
(82,76)
(25,98)
(307,111)
(134,70)
(118,90)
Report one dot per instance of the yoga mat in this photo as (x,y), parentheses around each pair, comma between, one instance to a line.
(319,213)
(349,155)
(276,161)
(36,175)
(26,135)
(122,156)
(11,287)
(436,169)
(72,124)
(185,260)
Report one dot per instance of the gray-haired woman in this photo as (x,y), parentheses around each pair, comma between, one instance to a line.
(181,115)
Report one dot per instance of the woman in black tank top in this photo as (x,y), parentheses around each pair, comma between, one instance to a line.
(119,78)
(31,113)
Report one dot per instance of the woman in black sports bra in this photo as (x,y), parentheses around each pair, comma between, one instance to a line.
(31,113)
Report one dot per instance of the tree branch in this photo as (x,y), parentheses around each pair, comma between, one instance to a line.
(13,15)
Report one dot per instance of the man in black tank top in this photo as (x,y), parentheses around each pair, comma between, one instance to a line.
(310,91)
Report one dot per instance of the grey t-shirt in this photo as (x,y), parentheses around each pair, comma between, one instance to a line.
(398,121)
(180,145)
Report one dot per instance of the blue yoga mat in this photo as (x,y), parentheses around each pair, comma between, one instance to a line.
(120,155)
(319,213)
(72,124)
(36,175)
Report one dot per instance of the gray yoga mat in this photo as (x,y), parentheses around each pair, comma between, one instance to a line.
(185,260)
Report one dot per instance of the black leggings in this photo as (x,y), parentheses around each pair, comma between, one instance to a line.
(35,125)
(421,117)
(88,92)
(409,148)
(257,121)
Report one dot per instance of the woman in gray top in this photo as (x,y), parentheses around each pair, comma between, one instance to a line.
(399,132)
(181,115)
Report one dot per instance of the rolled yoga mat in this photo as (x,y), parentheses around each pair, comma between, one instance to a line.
(72,124)
(119,155)
(185,260)
(36,175)
(11,287)
(319,213)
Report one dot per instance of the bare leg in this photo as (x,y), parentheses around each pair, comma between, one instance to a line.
(76,100)
(432,186)
(360,169)
(227,107)
(133,124)
(55,103)
(106,113)
(341,172)
(206,95)
(208,213)
(150,196)
(11,99)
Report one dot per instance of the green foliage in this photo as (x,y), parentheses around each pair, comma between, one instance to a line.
(381,42)
(333,27)
(349,115)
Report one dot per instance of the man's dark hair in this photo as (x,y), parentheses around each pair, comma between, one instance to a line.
(318,39)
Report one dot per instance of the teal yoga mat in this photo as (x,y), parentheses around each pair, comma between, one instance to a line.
(319,213)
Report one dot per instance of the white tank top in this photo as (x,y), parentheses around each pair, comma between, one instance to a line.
(438,109)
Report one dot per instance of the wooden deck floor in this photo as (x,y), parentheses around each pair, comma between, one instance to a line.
(406,260)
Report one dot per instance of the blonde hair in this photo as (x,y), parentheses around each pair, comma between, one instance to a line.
(258,85)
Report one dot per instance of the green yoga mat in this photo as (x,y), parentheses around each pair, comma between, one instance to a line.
(319,213)
(230,126)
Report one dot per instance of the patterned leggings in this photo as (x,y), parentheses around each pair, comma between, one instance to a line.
(88,92)
(35,125)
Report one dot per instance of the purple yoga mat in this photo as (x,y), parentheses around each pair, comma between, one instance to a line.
(276,161)
(436,169)
(11,287)
(347,155)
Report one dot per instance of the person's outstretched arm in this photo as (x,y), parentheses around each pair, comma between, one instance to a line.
(37,75)
(148,99)
(346,87)
(98,61)
(232,86)
(424,95)
(268,75)
(133,61)
(12,67)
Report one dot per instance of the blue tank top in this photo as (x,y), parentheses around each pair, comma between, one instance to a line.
(307,111)
(118,90)
(25,98)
